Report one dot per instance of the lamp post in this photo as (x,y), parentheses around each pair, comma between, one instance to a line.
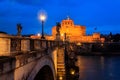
(42,18)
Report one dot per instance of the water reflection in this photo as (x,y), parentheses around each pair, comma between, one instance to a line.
(99,68)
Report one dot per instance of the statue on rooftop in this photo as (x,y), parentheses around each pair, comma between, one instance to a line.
(58,26)
(19,29)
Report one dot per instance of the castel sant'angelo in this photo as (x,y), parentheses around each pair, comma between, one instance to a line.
(74,33)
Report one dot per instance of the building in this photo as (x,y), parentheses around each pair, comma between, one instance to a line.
(75,33)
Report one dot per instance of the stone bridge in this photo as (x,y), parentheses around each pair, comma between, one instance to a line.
(23,58)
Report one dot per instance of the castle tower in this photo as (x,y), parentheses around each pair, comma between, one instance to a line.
(70,29)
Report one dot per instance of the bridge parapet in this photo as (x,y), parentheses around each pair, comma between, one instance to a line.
(11,45)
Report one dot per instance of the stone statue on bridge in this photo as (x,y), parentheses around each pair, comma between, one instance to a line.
(58,26)
(19,29)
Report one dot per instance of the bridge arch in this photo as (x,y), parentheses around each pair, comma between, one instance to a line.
(42,64)
(44,74)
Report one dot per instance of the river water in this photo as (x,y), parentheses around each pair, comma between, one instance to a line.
(99,67)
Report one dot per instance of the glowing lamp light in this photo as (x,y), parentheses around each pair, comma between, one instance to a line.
(60,78)
(62,35)
(72,71)
(79,44)
(42,17)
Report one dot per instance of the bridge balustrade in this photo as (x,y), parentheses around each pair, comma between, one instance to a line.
(16,45)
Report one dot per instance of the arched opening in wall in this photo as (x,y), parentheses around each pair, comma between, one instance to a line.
(45,73)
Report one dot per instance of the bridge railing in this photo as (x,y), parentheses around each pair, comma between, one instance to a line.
(13,45)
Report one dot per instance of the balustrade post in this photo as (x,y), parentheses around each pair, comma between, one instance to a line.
(40,43)
(31,45)
(18,47)
(5,47)
(37,44)
(25,45)
(15,45)
(43,43)
(51,44)
(46,44)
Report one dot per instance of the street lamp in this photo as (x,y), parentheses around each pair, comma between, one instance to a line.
(42,18)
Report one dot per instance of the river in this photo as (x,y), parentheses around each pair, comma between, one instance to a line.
(99,67)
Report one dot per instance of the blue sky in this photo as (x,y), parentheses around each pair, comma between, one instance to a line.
(103,14)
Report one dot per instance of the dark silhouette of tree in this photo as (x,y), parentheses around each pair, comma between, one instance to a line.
(3,32)
(116,38)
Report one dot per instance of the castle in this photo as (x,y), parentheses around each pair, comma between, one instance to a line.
(75,33)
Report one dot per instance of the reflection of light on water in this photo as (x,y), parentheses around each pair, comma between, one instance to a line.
(79,64)
(111,74)
(78,61)
(102,62)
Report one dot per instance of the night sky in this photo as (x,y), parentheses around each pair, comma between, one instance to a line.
(101,14)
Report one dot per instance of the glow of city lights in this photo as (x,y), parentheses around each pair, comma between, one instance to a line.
(38,34)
